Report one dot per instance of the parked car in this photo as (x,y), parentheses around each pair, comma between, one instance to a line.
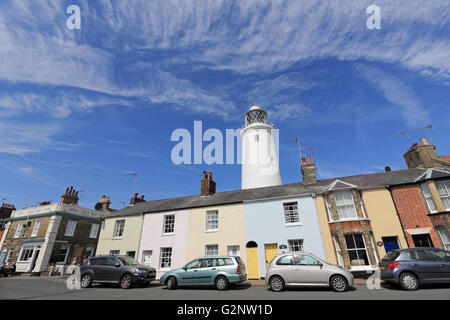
(217,271)
(122,270)
(305,269)
(412,267)
(7,269)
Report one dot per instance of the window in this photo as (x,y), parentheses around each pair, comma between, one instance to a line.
(166,258)
(439,255)
(428,197)
(206,263)
(305,260)
(422,240)
(118,229)
(345,205)
(418,255)
(70,228)
(328,205)
(356,250)
(291,213)
(111,261)
(26,255)
(295,245)
(10,255)
(18,230)
(169,224)
(224,262)
(114,252)
(62,255)
(101,261)
(286,260)
(35,229)
(233,250)
(256,138)
(212,220)
(444,237)
(89,252)
(131,254)
(94,231)
(193,264)
(212,250)
(443,188)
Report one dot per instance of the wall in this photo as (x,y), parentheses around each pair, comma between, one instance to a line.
(384,220)
(128,242)
(231,231)
(330,252)
(265,223)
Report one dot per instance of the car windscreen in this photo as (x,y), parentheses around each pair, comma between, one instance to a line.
(390,256)
(127,261)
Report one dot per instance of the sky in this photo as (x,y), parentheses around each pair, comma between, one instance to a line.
(89,107)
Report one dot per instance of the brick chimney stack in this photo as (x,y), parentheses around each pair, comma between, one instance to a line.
(421,155)
(70,196)
(208,186)
(135,199)
(6,209)
(103,204)
(308,171)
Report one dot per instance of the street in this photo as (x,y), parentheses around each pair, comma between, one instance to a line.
(36,288)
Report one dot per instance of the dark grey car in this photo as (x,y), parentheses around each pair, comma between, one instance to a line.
(121,270)
(411,267)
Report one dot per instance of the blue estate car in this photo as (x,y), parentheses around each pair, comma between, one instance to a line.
(217,271)
(415,266)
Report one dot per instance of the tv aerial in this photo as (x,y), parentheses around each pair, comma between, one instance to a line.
(427,130)
(403,132)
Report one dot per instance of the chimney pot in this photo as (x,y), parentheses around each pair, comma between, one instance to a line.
(387,169)
(303,160)
(424,141)
(309,159)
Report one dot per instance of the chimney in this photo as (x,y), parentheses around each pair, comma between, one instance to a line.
(44,203)
(6,209)
(308,171)
(421,156)
(135,199)
(208,186)
(70,196)
(103,204)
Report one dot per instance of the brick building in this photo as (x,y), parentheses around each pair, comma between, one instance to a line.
(52,234)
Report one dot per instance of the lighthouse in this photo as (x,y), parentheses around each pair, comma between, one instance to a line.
(259,153)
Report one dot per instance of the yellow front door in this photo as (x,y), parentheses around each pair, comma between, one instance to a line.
(252,263)
(271,252)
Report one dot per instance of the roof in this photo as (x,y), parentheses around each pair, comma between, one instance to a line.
(363,181)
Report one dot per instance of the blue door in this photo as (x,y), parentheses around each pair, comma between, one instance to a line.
(390,243)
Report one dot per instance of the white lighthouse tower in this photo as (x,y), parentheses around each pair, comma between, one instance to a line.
(259,154)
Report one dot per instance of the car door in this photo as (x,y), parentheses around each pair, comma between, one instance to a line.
(423,265)
(308,270)
(99,268)
(206,271)
(113,272)
(190,273)
(442,259)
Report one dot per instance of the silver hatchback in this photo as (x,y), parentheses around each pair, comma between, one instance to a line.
(305,269)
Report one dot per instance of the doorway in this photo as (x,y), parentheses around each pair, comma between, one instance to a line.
(271,250)
(390,243)
(147,257)
(252,260)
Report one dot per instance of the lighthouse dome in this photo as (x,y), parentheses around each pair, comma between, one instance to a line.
(255,115)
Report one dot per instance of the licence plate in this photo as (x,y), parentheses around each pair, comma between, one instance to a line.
(382,268)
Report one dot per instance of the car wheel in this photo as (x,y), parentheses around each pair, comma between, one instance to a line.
(171,283)
(86,281)
(276,284)
(126,281)
(338,283)
(408,281)
(221,283)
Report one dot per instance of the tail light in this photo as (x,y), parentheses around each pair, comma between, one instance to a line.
(238,270)
(393,265)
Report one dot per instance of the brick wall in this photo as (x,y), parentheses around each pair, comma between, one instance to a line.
(413,212)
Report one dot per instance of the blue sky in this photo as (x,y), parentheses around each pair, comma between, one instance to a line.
(88,107)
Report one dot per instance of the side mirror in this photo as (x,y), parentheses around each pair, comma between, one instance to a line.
(118,264)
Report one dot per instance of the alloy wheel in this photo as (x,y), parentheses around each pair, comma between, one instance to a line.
(409,281)
(338,284)
(277,284)
(86,281)
(125,282)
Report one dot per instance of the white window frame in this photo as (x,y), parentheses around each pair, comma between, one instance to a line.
(293,244)
(9,255)
(291,213)
(119,225)
(29,256)
(212,220)
(445,195)
(89,249)
(95,227)
(428,198)
(169,224)
(357,249)
(18,230)
(165,254)
(445,238)
(346,205)
(70,228)
(114,252)
(212,250)
(36,226)
(338,249)
(328,207)
(3,255)
(234,248)
(67,254)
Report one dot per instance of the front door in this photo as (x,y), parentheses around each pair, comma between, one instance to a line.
(390,243)
(35,257)
(271,251)
(252,263)
(147,257)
